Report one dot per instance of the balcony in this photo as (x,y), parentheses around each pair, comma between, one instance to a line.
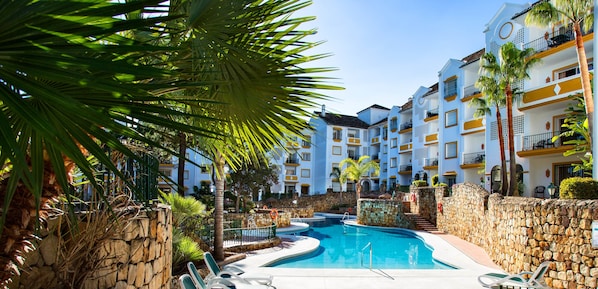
(542,143)
(375,139)
(431,138)
(555,39)
(353,156)
(403,169)
(432,113)
(406,125)
(473,125)
(353,141)
(292,161)
(470,92)
(474,158)
(430,163)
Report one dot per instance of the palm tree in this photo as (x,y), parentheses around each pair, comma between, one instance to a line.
(73,83)
(493,98)
(249,56)
(511,69)
(357,171)
(577,12)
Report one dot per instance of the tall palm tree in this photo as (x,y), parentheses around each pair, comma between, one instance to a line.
(493,98)
(73,82)
(249,56)
(576,12)
(507,71)
(357,171)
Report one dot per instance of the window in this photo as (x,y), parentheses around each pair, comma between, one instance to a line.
(336,150)
(305,173)
(291,171)
(350,187)
(353,133)
(450,150)
(289,189)
(353,153)
(306,157)
(569,71)
(335,165)
(167,173)
(385,149)
(393,142)
(384,167)
(186,175)
(393,162)
(450,87)
(450,118)
(385,132)
(205,169)
(337,134)
(393,124)
(306,142)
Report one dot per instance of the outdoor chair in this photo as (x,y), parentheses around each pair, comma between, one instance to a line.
(188,282)
(539,192)
(217,282)
(234,272)
(539,144)
(535,279)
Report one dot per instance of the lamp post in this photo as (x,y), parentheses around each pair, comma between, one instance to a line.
(551,190)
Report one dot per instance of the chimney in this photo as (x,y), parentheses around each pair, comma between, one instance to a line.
(323,113)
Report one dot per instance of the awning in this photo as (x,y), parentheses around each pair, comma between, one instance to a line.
(450,173)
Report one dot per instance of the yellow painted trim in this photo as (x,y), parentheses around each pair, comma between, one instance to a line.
(450,173)
(567,87)
(430,167)
(562,99)
(354,140)
(432,137)
(554,72)
(450,78)
(471,124)
(305,185)
(375,139)
(546,151)
(450,97)
(290,178)
(471,166)
(427,119)
(406,130)
(468,98)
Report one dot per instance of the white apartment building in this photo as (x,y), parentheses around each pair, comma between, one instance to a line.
(436,133)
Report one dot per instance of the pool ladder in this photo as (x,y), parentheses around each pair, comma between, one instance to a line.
(379,271)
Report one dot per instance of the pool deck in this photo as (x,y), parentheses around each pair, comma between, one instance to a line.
(471,260)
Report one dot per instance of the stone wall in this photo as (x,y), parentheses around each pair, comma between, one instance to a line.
(318,203)
(422,201)
(385,213)
(519,233)
(137,256)
(262,218)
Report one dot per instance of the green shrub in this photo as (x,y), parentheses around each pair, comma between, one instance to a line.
(435,180)
(579,188)
(420,183)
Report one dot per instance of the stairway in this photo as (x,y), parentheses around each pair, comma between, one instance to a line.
(423,224)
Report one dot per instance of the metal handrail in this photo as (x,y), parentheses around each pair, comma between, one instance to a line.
(371,250)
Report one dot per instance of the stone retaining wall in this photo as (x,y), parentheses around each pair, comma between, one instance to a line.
(385,213)
(137,256)
(519,233)
(318,203)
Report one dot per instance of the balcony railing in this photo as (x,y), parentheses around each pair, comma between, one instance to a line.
(431,162)
(544,140)
(432,112)
(550,40)
(470,90)
(474,158)
(405,168)
(291,161)
(406,125)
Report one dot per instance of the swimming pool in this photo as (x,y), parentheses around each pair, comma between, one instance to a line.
(346,247)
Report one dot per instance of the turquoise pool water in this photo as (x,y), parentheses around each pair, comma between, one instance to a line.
(342,246)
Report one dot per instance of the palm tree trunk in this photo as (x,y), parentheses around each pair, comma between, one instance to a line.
(503,157)
(219,208)
(181,167)
(21,219)
(358,196)
(585,79)
(511,135)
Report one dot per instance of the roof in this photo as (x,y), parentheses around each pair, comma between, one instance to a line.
(433,89)
(342,120)
(374,106)
(527,9)
(474,56)
(407,105)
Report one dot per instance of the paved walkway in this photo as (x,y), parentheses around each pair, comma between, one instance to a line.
(471,260)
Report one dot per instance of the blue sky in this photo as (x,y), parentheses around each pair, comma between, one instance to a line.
(386,49)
